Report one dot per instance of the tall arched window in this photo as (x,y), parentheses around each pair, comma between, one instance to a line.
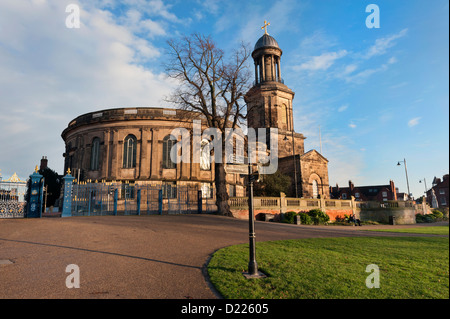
(168,142)
(315,189)
(95,153)
(129,151)
(205,155)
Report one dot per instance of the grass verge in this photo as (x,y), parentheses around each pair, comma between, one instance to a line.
(335,268)
(431,230)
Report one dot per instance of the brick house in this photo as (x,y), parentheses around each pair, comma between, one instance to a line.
(441,190)
(379,193)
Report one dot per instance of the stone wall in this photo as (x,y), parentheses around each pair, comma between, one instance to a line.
(402,212)
(279,205)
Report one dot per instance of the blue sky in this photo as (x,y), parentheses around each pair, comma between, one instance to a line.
(379,95)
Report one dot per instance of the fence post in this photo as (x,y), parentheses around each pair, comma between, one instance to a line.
(138,199)
(90,198)
(160,201)
(353,205)
(116,197)
(283,203)
(199,201)
(67,196)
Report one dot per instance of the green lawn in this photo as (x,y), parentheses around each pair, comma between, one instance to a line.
(328,268)
(433,230)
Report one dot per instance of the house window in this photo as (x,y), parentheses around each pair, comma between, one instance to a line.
(443,201)
(357,195)
(168,142)
(95,153)
(384,194)
(344,195)
(129,151)
(441,191)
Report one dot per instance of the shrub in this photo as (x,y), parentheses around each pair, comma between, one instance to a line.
(305,219)
(420,218)
(289,217)
(318,216)
(344,219)
(438,215)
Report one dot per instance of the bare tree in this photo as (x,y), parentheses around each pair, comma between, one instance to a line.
(214,87)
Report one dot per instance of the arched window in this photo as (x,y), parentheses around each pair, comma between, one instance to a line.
(205,155)
(95,153)
(129,151)
(168,142)
(315,189)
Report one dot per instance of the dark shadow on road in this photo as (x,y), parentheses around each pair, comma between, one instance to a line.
(102,252)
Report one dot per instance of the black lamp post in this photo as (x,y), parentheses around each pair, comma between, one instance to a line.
(252,264)
(294,162)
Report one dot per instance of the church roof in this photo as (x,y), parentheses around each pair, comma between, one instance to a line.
(266,41)
(313,154)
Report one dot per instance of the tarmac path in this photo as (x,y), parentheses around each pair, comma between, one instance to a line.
(131,257)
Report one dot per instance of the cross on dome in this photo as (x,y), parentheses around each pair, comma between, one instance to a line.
(266,24)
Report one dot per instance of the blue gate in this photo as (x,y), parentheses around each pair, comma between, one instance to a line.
(99,199)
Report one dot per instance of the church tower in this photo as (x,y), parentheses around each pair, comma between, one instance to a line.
(269,105)
(269,101)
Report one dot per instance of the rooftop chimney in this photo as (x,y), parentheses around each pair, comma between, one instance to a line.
(44,162)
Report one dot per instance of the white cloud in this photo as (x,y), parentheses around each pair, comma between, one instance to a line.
(414,121)
(343,108)
(51,74)
(381,45)
(362,76)
(352,125)
(321,62)
(393,60)
(350,69)
(398,85)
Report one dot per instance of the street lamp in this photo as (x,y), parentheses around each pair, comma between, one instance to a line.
(425,182)
(406,172)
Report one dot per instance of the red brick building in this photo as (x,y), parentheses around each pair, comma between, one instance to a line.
(441,190)
(379,193)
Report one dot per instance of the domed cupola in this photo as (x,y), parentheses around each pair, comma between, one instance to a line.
(266,55)
(266,41)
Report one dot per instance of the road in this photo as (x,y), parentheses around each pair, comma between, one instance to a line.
(129,257)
